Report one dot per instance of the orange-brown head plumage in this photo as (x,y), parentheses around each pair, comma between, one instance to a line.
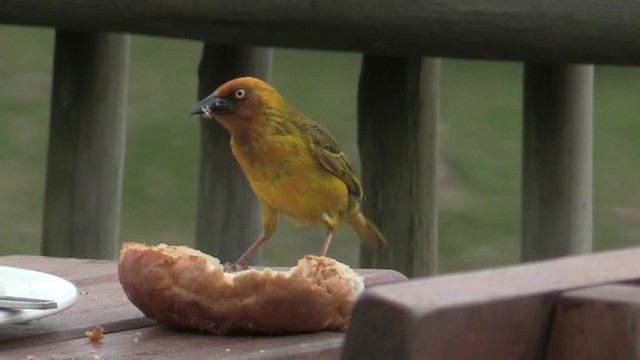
(240,103)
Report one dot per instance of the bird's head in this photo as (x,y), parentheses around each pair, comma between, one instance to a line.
(238,102)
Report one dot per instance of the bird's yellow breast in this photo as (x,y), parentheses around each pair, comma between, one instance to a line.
(286,176)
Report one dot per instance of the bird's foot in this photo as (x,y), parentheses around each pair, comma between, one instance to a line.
(235,267)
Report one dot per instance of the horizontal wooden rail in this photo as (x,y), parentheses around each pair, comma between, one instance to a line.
(599,322)
(568,31)
(494,314)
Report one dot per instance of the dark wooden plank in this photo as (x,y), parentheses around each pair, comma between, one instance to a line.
(601,322)
(103,303)
(396,131)
(493,314)
(229,216)
(86,145)
(557,160)
(590,31)
(163,342)
(374,277)
(74,270)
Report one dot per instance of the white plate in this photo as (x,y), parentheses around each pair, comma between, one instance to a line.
(35,284)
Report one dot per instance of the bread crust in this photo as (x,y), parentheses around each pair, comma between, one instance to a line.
(185,288)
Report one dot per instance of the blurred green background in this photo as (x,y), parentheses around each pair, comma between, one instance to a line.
(480,148)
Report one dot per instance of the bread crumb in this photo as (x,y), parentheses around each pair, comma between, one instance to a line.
(96,335)
(31,357)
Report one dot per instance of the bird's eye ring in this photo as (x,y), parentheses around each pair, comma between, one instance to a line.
(240,93)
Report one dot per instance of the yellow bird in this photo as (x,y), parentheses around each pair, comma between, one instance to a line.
(294,165)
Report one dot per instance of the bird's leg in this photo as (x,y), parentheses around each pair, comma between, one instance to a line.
(327,242)
(269,223)
(241,263)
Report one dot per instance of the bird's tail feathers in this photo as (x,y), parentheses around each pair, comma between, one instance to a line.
(369,234)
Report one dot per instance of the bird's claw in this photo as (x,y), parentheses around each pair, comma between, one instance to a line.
(235,267)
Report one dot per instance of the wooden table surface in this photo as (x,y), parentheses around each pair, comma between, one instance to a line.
(130,335)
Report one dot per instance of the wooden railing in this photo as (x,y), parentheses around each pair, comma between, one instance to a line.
(563,31)
(398,108)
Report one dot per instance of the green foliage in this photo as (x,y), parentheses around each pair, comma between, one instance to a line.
(480,152)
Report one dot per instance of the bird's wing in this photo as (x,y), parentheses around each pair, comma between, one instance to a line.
(328,152)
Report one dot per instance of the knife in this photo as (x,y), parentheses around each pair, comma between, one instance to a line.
(14,302)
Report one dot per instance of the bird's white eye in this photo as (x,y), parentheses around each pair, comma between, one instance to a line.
(240,93)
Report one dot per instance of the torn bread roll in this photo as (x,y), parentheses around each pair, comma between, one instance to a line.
(183,287)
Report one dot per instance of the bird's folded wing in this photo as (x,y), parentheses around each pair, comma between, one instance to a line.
(328,152)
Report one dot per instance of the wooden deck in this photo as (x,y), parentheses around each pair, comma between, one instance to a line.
(129,334)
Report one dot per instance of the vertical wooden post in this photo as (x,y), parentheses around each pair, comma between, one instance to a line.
(398,109)
(229,217)
(86,145)
(557,160)
(427,250)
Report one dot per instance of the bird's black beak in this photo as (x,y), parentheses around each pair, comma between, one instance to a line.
(212,104)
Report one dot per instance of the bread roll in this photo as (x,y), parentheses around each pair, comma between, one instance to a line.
(183,287)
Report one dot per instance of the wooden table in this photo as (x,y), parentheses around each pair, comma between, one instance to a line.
(130,335)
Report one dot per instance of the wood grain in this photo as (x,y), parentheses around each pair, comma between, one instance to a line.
(397,127)
(165,343)
(601,322)
(493,314)
(575,31)
(557,166)
(101,302)
(86,145)
(426,250)
(69,268)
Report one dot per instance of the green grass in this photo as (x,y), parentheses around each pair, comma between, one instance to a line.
(480,151)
